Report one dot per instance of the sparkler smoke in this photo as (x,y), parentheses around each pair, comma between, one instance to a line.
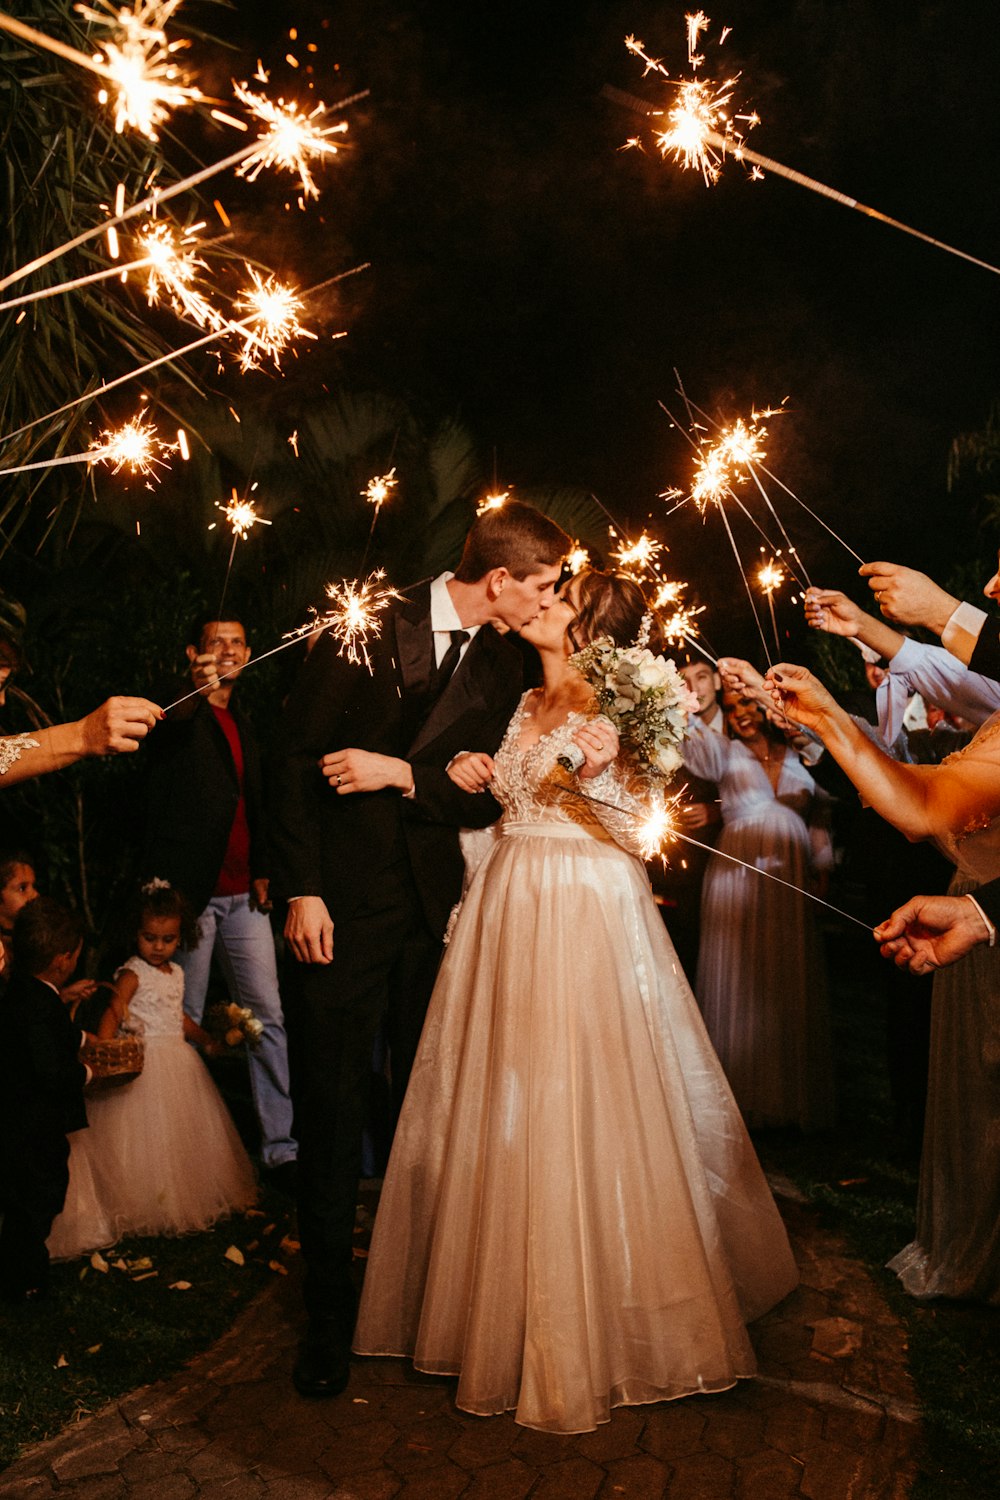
(700,134)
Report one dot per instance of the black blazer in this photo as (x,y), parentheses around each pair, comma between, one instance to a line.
(986,652)
(41,1075)
(191,797)
(340,847)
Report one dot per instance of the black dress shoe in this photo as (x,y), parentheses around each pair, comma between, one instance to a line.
(321,1371)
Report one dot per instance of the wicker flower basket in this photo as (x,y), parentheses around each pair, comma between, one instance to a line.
(113,1062)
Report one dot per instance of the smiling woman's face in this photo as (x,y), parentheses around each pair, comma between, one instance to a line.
(743,717)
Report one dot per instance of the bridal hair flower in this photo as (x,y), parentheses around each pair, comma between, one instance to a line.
(156,884)
(645,626)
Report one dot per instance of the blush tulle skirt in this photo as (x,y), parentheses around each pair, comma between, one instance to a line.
(573,1217)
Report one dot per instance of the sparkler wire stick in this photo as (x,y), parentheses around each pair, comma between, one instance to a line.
(693,640)
(89,456)
(746,581)
(792,495)
(221,677)
(756,869)
(73,286)
(159,195)
(742,153)
(59,49)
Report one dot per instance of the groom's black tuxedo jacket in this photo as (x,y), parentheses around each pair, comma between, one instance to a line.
(341,847)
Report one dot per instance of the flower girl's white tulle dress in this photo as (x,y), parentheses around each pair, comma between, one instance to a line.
(573,1217)
(160,1155)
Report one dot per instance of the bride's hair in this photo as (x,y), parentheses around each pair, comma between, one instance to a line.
(610,604)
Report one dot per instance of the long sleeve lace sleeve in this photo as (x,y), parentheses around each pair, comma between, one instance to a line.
(619,800)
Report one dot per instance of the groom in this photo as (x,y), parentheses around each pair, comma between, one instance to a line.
(366,853)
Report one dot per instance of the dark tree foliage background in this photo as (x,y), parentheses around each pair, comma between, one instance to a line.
(530,291)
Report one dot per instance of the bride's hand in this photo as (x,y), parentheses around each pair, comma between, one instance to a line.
(599,743)
(800,696)
(472,770)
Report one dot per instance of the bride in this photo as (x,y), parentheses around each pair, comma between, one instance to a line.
(573,1217)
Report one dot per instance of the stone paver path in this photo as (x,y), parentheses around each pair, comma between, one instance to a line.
(832,1416)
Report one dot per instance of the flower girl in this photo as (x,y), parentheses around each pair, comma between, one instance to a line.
(162,1155)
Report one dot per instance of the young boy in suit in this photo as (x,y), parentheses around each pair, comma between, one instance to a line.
(41,1092)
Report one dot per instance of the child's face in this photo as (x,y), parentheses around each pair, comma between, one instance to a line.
(17,891)
(158,939)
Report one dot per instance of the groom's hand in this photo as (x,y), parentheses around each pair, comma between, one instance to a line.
(309,930)
(363,771)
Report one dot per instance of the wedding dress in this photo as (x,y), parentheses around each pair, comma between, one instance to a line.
(573,1217)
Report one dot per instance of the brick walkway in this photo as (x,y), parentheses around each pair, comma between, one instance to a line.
(830,1417)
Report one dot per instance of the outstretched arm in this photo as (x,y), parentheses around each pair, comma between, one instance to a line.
(921,801)
(116,728)
(833,612)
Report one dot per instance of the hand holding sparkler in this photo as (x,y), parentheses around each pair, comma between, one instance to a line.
(833,612)
(909,597)
(472,771)
(801,697)
(930,932)
(117,727)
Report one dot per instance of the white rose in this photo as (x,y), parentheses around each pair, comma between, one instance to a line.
(667,759)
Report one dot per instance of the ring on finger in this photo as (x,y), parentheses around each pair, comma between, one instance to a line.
(337,779)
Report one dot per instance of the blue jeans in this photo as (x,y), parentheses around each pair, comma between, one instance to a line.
(241,940)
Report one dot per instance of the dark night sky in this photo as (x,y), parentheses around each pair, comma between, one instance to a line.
(544,285)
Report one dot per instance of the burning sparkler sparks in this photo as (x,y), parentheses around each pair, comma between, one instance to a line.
(699,129)
(728,460)
(241,516)
(637,559)
(658,826)
(272,320)
(353,617)
(172,268)
(577,559)
(770,576)
(134,446)
(141,64)
(292,138)
(378,490)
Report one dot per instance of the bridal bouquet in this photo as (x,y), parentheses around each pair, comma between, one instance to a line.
(234,1024)
(644,697)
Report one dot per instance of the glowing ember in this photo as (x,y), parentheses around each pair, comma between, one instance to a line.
(292,139)
(577,559)
(134,446)
(378,490)
(241,515)
(146,82)
(353,616)
(493,502)
(273,311)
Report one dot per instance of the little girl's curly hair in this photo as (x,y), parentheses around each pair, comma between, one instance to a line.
(158,898)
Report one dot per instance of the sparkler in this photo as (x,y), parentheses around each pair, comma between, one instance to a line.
(577,559)
(770,576)
(241,516)
(292,139)
(700,133)
(353,616)
(637,559)
(172,270)
(272,322)
(135,446)
(140,65)
(378,490)
(699,129)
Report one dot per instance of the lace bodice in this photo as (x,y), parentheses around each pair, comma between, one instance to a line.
(532,787)
(157,1007)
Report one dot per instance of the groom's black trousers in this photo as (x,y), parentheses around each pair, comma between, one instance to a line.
(384,965)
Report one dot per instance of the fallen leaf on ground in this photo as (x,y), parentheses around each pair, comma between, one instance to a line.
(61,1363)
(235,1255)
(179,1286)
(289,1245)
(141,1263)
(98,1262)
(145,1275)
(275,1265)
(94,1348)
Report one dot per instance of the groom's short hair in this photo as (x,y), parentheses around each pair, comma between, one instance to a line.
(515,536)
